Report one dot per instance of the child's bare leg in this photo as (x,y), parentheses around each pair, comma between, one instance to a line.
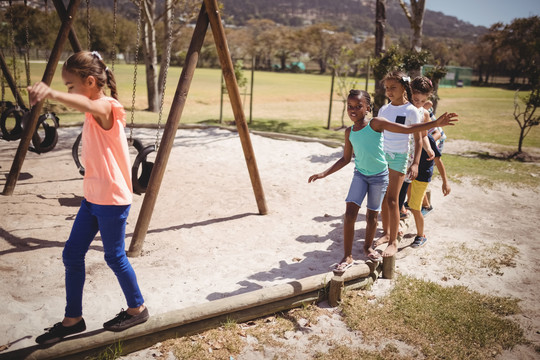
(419,221)
(425,202)
(351,213)
(392,194)
(385,224)
(371,228)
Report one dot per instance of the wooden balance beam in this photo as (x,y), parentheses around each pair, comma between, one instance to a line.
(197,318)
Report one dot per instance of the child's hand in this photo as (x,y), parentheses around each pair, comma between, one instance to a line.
(39,91)
(445,188)
(447,119)
(412,173)
(312,178)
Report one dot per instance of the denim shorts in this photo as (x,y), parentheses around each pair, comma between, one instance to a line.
(374,186)
(397,161)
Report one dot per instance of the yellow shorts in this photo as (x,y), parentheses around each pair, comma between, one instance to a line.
(418,190)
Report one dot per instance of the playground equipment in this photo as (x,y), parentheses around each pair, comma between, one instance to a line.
(14,116)
(208,15)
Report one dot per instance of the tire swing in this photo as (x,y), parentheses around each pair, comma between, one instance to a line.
(142,167)
(75,154)
(48,141)
(12,131)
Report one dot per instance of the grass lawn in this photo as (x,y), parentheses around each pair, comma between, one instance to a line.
(299,104)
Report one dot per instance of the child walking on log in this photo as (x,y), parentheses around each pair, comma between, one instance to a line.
(421,90)
(365,140)
(396,148)
(107,192)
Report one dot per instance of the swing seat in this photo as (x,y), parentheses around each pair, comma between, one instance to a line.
(140,182)
(14,133)
(51,134)
(75,154)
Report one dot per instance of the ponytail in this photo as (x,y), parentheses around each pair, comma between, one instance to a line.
(111,83)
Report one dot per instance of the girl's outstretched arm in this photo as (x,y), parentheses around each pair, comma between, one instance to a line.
(343,161)
(101,110)
(380,124)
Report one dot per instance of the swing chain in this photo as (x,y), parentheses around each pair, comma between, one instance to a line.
(115,12)
(13,52)
(88,39)
(139,19)
(165,72)
(27,45)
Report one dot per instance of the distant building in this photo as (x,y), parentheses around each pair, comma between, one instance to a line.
(456,76)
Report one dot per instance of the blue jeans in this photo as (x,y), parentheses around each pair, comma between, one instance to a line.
(374,186)
(110,221)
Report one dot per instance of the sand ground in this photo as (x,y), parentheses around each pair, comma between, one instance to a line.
(207,241)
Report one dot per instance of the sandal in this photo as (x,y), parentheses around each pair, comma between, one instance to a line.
(375,257)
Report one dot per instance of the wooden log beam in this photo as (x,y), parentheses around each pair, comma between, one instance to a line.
(62,13)
(30,127)
(11,81)
(236,101)
(196,318)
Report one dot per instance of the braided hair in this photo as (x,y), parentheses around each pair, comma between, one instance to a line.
(362,94)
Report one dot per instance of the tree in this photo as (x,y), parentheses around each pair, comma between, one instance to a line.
(380,49)
(150,20)
(416,19)
(526,118)
(321,41)
(341,66)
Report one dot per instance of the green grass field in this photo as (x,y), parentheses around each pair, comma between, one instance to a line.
(299,104)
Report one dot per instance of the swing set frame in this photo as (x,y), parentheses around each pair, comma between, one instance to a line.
(209,15)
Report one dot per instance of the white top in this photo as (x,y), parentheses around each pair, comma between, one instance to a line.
(406,114)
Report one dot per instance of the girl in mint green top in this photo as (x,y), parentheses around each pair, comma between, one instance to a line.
(368,146)
(365,140)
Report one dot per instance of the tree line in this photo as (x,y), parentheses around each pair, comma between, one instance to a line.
(510,50)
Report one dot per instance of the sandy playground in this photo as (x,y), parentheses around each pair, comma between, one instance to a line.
(207,241)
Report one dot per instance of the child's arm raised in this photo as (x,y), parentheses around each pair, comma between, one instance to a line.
(101,110)
(338,165)
(380,124)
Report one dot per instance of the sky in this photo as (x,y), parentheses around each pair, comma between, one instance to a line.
(486,12)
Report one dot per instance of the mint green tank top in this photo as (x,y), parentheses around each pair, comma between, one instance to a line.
(368,146)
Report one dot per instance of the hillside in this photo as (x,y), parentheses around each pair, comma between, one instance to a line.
(356,16)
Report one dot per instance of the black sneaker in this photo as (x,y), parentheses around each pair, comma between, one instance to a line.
(123,320)
(58,332)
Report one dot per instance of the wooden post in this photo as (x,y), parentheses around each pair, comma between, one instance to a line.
(389,267)
(169,133)
(236,101)
(11,81)
(73,39)
(251,89)
(336,286)
(36,109)
(331,99)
